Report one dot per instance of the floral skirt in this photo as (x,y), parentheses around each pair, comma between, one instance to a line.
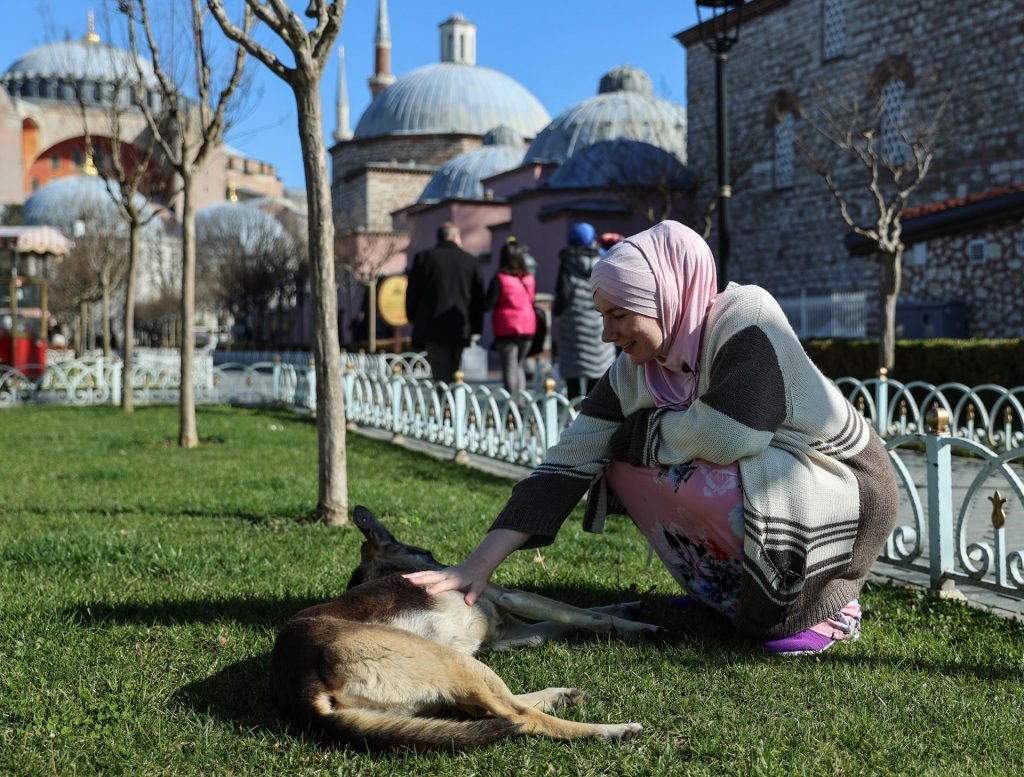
(692,515)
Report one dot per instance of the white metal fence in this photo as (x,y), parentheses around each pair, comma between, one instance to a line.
(839,314)
(960,515)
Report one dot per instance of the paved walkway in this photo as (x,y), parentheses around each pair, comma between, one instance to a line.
(964,473)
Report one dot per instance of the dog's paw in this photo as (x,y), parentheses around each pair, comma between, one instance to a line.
(630,630)
(558,698)
(622,732)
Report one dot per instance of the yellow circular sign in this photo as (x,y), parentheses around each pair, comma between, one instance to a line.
(391,299)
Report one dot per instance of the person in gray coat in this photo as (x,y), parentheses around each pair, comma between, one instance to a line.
(582,357)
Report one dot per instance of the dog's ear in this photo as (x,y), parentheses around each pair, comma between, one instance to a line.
(370,525)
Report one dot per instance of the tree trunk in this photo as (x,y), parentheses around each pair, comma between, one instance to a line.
(892,268)
(105,312)
(332,500)
(127,401)
(371,289)
(83,314)
(187,435)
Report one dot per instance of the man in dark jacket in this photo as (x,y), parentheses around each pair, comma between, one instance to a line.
(445,301)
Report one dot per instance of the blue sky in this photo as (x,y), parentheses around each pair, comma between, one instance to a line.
(558,49)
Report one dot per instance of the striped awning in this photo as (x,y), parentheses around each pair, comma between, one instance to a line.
(34,240)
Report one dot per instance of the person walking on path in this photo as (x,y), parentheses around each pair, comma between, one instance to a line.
(510,295)
(582,356)
(764,492)
(445,302)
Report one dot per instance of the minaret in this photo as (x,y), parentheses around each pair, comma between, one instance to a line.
(341,128)
(458,40)
(382,78)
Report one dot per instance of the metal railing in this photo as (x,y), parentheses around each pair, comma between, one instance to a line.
(952,534)
(954,525)
(989,414)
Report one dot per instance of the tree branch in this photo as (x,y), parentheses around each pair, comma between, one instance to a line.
(244,39)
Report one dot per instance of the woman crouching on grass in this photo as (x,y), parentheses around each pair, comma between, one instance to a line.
(766,495)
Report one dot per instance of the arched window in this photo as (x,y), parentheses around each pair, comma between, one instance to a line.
(892,79)
(893,133)
(834,28)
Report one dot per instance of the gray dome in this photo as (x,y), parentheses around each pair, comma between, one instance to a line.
(625,108)
(452,98)
(85,198)
(78,60)
(626,78)
(241,223)
(622,162)
(461,177)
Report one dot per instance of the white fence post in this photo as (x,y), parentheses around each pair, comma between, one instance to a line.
(459,415)
(881,400)
(116,371)
(551,432)
(940,500)
(396,403)
(311,383)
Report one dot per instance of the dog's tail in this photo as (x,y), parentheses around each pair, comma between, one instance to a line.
(379,730)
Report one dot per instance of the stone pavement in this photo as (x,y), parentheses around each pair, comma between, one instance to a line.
(964,473)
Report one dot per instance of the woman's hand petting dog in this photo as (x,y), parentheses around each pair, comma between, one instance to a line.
(472,575)
(461,577)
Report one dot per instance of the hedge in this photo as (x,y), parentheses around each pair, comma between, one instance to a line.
(972,362)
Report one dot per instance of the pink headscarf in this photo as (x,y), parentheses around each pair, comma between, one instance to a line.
(666,272)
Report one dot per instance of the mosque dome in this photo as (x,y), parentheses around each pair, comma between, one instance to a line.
(80,60)
(54,70)
(461,177)
(625,107)
(622,162)
(83,198)
(452,97)
(241,223)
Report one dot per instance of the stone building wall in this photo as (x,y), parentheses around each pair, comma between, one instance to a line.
(790,238)
(986,277)
(372,177)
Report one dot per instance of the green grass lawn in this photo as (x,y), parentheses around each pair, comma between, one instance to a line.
(141,587)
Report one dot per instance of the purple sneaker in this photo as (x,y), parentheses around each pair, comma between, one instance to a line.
(844,627)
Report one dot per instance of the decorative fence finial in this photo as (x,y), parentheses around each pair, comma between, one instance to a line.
(998,511)
(937,420)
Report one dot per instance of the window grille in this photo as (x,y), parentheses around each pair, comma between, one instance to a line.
(894,146)
(835,28)
(784,151)
(976,250)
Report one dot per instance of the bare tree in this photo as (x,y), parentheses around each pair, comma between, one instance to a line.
(104,251)
(310,49)
(190,129)
(247,264)
(126,173)
(847,126)
(73,288)
(362,257)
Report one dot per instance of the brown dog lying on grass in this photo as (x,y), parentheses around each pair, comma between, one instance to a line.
(386,665)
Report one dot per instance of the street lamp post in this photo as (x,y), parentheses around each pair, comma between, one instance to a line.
(720,33)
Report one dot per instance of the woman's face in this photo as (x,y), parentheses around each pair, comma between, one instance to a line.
(639,336)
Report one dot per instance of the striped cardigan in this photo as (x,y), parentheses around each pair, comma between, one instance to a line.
(820,495)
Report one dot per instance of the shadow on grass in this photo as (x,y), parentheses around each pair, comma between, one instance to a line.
(266,613)
(238,694)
